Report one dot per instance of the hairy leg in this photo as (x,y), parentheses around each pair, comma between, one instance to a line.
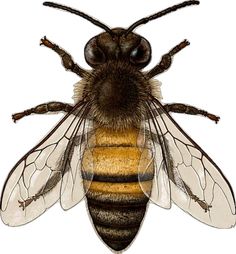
(186,109)
(43,109)
(67,60)
(166,60)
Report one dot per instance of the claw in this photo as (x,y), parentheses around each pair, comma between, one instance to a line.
(44,41)
(213,118)
(26,202)
(17,116)
(13,118)
(22,204)
(217,119)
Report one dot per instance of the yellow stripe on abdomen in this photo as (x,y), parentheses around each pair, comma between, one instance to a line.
(117,161)
(119,188)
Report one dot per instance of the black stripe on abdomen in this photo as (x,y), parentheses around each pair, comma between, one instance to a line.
(117,178)
(116,216)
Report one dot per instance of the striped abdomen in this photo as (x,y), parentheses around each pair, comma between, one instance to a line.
(115,199)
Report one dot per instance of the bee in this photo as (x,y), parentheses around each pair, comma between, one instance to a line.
(117,146)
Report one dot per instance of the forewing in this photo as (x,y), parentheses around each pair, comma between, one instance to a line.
(197,184)
(34,184)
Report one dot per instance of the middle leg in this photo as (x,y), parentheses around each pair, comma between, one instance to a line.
(43,109)
(186,109)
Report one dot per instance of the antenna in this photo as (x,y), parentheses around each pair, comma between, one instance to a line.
(160,14)
(79,13)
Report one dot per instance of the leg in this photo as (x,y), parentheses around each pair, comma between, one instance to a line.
(175,177)
(44,108)
(67,60)
(186,109)
(203,204)
(166,60)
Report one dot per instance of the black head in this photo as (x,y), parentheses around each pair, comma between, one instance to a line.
(106,47)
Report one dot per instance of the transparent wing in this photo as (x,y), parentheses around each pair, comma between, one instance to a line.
(34,184)
(152,163)
(196,183)
(73,189)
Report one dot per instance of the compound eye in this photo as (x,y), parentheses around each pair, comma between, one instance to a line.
(141,55)
(93,54)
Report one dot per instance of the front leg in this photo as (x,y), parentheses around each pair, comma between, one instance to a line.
(166,60)
(43,109)
(186,109)
(67,60)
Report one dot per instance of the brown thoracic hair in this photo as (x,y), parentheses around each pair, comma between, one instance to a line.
(116,91)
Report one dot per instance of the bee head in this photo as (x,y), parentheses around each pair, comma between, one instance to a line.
(117,45)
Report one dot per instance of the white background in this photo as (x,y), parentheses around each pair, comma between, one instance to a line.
(202,75)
